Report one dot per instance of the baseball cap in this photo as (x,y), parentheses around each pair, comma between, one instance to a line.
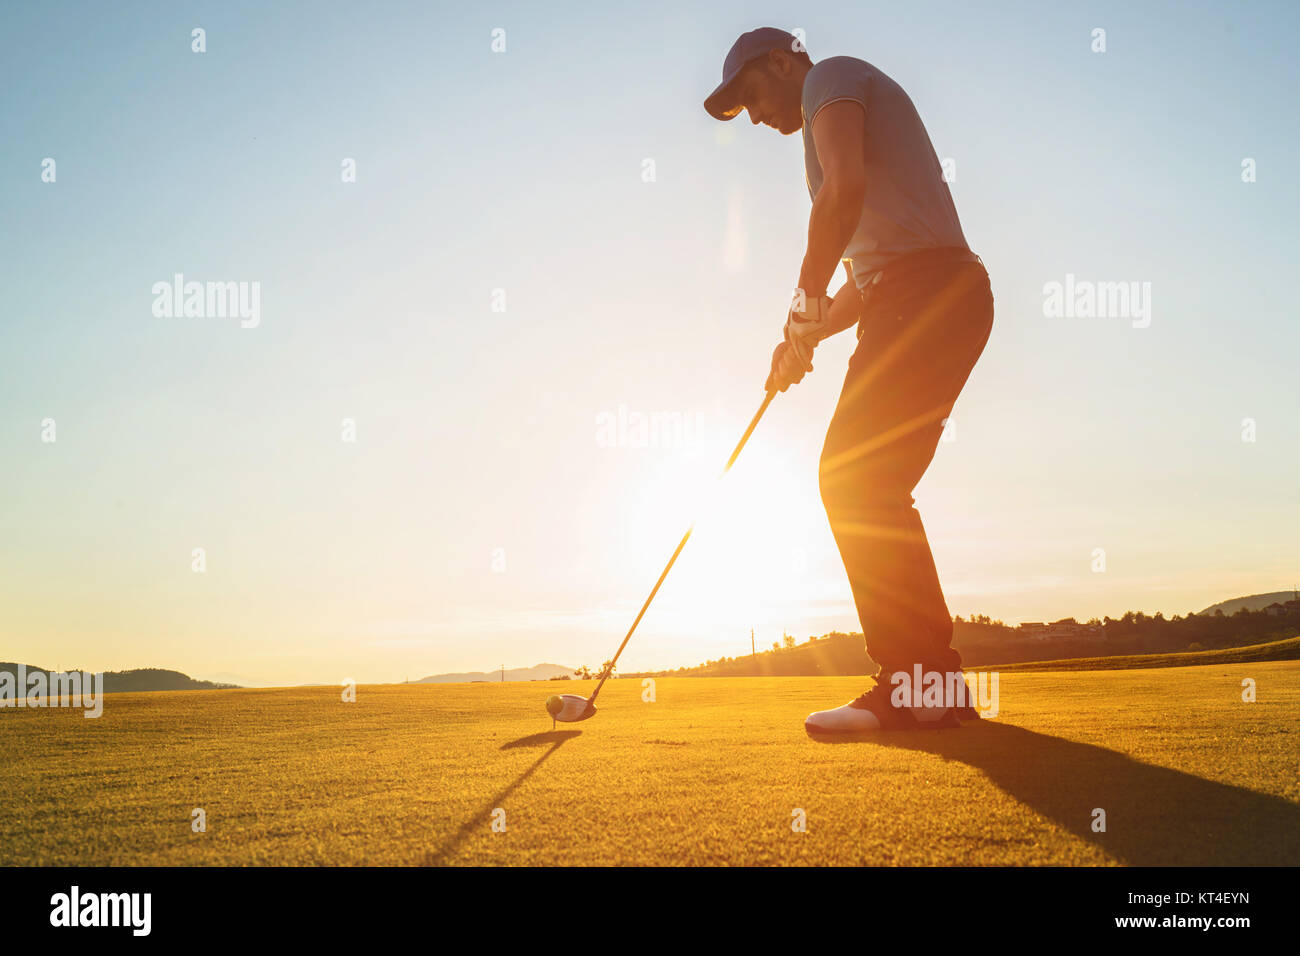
(721,103)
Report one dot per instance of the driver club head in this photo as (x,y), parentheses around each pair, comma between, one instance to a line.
(569,708)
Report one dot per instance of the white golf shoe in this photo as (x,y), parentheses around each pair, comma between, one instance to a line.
(873,711)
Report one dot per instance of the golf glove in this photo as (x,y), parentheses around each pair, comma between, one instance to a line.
(807,324)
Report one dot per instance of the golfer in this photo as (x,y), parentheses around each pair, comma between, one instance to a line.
(923,309)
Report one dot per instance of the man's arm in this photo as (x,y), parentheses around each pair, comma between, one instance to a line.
(838,132)
(846,308)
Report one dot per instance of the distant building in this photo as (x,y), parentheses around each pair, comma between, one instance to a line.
(1066,627)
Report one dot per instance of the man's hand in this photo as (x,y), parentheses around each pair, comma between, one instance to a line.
(807,323)
(787,369)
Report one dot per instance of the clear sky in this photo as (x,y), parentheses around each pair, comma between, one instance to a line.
(481,516)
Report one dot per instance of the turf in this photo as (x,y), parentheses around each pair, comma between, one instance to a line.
(713,771)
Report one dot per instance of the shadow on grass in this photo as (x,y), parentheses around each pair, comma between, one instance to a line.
(1154,816)
(553,737)
(556,737)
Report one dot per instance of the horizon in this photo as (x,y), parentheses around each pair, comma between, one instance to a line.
(501,302)
(623,672)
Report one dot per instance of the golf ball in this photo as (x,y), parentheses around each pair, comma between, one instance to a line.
(554,705)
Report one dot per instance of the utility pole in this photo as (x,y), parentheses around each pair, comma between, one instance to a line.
(753,652)
(503,673)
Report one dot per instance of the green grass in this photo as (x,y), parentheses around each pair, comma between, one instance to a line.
(709,773)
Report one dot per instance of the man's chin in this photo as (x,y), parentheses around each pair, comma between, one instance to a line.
(785,130)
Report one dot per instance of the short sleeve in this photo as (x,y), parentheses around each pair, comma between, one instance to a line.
(839,78)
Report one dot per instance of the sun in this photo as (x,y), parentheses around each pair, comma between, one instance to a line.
(747,549)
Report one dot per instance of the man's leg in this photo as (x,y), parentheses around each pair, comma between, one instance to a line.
(918,346)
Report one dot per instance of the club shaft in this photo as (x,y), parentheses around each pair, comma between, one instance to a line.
(753,423)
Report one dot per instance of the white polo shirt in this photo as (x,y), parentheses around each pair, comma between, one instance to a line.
(907,205)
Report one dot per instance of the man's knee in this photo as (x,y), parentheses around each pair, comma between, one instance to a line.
(866,487)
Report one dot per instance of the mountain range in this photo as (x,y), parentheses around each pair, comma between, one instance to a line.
(536,672)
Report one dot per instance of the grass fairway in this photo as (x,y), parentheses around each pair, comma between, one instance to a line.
(710,773)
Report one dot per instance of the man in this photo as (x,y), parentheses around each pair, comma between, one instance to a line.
(924,310)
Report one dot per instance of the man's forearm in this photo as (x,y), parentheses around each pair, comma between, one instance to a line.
(831,224)
(846,309)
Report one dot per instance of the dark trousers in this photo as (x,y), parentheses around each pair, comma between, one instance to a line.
(923,326)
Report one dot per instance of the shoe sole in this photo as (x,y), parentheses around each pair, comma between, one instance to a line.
(828,732)
(948,721)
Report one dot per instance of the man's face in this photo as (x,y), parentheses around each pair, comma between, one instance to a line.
(771,92)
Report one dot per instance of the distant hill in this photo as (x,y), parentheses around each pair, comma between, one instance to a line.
(536,672)
(1252,602)
(985,644)
(140,679)
(1284,650)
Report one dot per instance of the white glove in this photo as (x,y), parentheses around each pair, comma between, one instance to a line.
(806,325)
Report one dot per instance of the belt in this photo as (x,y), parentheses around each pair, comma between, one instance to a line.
(912,266)
(917,262)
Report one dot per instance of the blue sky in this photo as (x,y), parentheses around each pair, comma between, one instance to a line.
(477,520)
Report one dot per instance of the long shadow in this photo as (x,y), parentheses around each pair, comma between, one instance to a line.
(554,737)
(1154,816)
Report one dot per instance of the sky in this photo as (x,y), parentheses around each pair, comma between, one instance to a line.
(544,240)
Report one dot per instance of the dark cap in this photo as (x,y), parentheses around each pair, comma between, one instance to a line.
(721,103)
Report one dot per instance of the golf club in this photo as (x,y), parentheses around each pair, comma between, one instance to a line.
(570,708)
